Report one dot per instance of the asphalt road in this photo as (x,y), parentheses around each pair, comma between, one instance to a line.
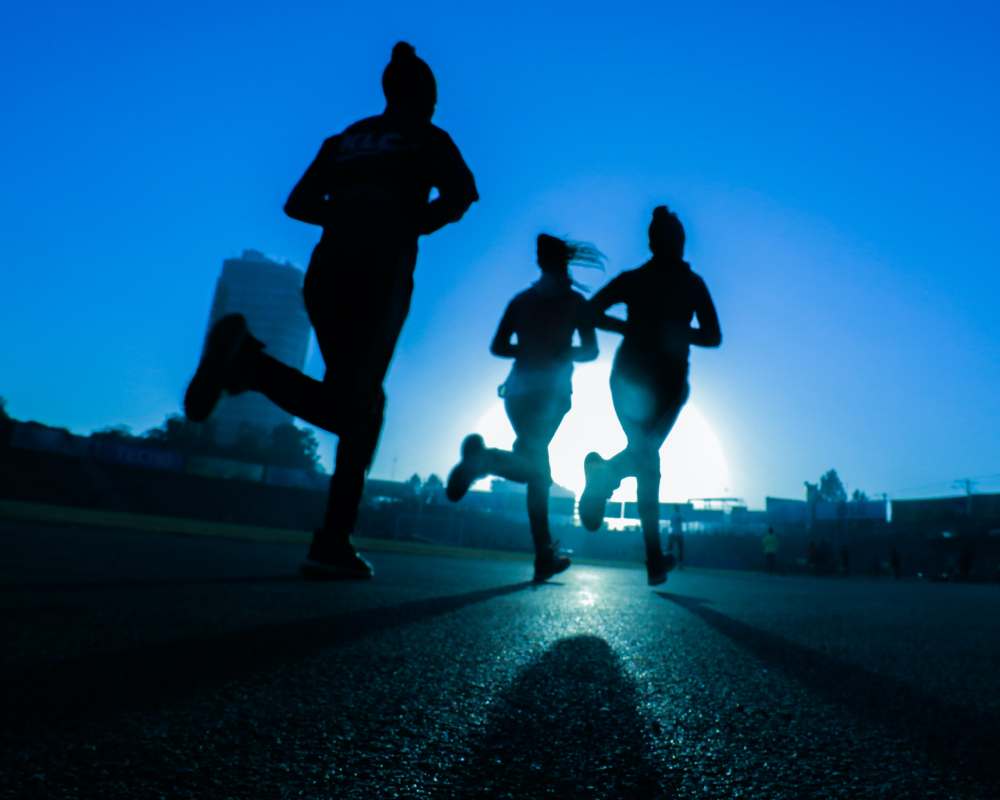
(138,665)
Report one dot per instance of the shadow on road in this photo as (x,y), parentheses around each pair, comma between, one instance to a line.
(959,739)
(569,726)
(144,583)
(148,677)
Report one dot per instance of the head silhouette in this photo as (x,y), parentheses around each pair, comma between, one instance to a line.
(666,234)
(555,255)
(408,84)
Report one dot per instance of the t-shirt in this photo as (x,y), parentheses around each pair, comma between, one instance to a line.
(375,178)
(661,301)
(544,317)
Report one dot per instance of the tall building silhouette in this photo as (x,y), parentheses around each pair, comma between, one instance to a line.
(269,295)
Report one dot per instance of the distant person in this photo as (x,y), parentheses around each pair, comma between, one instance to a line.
(824,558)
(895,562)
(369,189)
(965,559)
(769,544)
(537,393)
(649,378)
(675,541)
(845,560)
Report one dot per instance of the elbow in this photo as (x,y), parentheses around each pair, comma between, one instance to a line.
(706,338)
(293,209)
(457,208)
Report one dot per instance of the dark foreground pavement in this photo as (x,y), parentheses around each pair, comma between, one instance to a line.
(137,665)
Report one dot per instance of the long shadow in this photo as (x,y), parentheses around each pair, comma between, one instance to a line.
(959,739)
(137,583)
(150,676)
(568,726)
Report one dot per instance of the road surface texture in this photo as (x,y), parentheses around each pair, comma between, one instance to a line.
(141,665)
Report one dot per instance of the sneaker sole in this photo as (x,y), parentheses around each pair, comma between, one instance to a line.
(318,571)
(461,478)
(593,504)
(206,387)
(544,576)
(661,577)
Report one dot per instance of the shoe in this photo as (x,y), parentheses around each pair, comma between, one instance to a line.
(335,563)
(657,567)
(550,562)
(594,499)
(217,369)
(469,469)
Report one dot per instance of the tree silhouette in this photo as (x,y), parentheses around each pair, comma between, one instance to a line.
(857,496)
(285,446)
(114,433)
(180,434)
(831,488)
(6,421)
(432,488)
(292,446)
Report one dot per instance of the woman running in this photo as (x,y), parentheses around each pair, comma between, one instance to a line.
(649,378)
(537,392)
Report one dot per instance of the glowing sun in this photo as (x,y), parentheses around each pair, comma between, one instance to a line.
(692,461)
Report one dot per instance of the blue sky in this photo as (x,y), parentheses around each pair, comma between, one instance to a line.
(836,168)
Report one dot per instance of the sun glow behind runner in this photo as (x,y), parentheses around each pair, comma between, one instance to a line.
(692,461)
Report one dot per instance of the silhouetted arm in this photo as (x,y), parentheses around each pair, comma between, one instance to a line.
(456,188)
(611,294)
(502,345)
(308,201)
(587,351)
(708,333)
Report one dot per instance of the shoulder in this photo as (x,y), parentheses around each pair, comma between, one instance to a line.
(578,300)
(627,277)
(439,136)
(330,144)
(363,124)
(441,144)
(696,282)
(522,297)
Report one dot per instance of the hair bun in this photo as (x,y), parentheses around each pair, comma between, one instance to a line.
(402,51)
(661,214)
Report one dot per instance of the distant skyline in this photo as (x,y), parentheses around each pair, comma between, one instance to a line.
(836,168)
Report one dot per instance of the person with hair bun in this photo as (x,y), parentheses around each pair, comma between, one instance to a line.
(537,393)
(649,378)
(369,188)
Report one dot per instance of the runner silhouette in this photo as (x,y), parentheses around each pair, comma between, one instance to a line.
(369,189)
(536,394)
(649,378)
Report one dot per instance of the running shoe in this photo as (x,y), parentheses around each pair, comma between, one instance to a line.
(216,370)
(470,469)
(595,495)
(336,562)
(550,562)
(657,567)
